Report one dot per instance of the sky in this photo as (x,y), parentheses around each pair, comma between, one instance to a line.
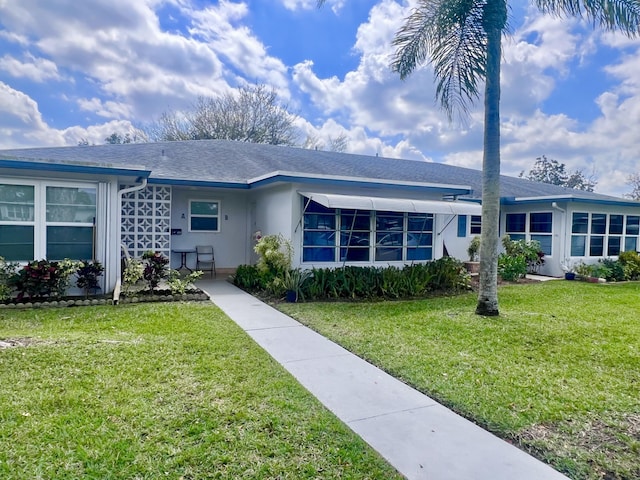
(81,70)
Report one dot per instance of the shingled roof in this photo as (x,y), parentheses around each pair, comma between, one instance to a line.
(240,162)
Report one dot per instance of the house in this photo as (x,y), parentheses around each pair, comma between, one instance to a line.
(87,201)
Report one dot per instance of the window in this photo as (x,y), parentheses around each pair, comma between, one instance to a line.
(540,229)
(389,236)
(419,240)
(579,226)
(204,216)
(42,220)
(354,236)
(17,203)
(632,231)
(598,230)
(601,234)
(476,225)
(516,226)
(70,219)
(343,235)
(614,242)
(319,234)
(534,226)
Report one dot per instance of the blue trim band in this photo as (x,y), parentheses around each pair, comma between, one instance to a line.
(597,201)
(197,183)
(70,168)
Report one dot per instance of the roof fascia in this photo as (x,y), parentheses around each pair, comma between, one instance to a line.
(198,183)
(74,168)
(293,177)
(568,199)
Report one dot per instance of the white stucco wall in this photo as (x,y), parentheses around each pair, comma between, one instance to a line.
(230,243)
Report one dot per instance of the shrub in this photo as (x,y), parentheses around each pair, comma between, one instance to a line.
(42,278)
(7,272)
(87,276)
(295,279)
(155,268)
(178,284)
(447,274)
(248,277)
(444,274)
(473,250)
(584,270)
(132,274)
(352,282)
(275,253)
(530,251)
(512,267)
(611,270)
(630,262)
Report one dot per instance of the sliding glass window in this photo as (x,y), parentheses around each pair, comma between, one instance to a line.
(601,234)
(347,235)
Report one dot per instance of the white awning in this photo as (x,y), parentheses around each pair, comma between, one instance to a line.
(385,204)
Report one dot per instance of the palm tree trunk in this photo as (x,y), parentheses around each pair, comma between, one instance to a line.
(488,291)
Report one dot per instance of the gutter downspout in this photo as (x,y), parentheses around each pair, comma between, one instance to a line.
(121,194)
(563,228)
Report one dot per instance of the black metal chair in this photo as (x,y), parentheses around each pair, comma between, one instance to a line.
(205,259)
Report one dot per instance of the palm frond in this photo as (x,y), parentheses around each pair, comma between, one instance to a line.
(623,15)
(450,35)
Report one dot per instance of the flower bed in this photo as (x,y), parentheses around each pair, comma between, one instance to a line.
(41,283)
(163,296)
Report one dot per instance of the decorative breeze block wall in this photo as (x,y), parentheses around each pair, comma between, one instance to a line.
(146,220)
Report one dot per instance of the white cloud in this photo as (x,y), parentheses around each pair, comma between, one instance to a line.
(13,37)
(335,5)
(21,123)
(36,69)
(220,28)
(106,109)
(96,134)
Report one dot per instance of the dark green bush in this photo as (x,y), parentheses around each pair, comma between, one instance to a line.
(156,267)
(445,274)
(351,282)
(42,278)
(512,267)
(88,274)
(530,251)
(630,262)
(248,277)
(609,269)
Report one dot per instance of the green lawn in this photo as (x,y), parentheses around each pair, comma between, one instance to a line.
(160,391)
(557,373)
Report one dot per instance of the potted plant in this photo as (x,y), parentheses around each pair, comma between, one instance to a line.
(569,270)
(473,250)
(293,281)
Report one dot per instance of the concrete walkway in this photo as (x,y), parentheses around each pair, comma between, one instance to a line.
(422,439)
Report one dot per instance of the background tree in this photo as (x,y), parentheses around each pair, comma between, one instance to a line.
(633,181)
(250,114)
(548,170)
(137,136)
(462,40)
(337,144)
